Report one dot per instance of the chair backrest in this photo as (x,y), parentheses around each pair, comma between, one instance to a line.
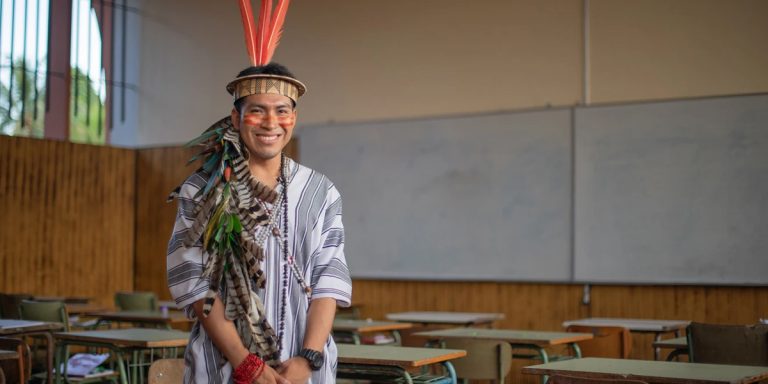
(728,344)
(614,342)
(565,379)
(16,370)
(50,311)
(485,360)
(9,304)
(166,371)
(136,301)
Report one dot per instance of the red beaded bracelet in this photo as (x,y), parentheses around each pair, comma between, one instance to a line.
(249,370)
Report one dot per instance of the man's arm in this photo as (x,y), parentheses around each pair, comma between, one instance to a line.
(319,324)
(224,336)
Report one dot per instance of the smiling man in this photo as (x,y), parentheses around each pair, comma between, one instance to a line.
(257,252)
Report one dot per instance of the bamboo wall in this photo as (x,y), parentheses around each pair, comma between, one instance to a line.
(67,224)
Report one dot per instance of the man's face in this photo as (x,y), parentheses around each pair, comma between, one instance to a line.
(265,123)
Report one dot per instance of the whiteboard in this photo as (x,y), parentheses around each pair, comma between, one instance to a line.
(471,198)
(672,192)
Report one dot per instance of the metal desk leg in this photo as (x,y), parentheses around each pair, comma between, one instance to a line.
(451,371)
(49,357)
(134,365)
(407,376)
(397,337)
(576,350)
(657,350)
(57,362)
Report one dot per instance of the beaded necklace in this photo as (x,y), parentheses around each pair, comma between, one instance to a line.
(280,215)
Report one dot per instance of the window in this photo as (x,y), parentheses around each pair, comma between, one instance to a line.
(23,52)
(56,78)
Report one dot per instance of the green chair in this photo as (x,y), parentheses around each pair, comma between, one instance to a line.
(136,301)
(49,311)
(728,344)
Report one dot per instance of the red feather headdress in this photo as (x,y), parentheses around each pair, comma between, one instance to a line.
(260,42)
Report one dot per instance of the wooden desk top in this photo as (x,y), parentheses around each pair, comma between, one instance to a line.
(362,326)
(428,317)
(634,325)
(142,316)
(82,309)
(6,355)
(676,343)
(16,327)
(513,336)
(66,299)
(652,371)
(405,357)
(130,337)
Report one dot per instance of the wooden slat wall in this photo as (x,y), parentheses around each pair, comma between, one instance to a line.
(67,224)
(158,172)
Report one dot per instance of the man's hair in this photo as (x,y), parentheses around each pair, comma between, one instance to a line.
(269,69)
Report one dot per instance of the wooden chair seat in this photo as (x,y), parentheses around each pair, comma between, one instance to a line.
(166,371)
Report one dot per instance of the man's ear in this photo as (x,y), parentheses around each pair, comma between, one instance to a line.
(235,118)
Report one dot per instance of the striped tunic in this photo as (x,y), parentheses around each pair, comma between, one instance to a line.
(316,240)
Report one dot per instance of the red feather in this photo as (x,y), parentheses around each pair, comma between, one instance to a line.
(276,29)
(246,13)
(262,36)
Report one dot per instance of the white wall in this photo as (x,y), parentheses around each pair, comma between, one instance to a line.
(376,60)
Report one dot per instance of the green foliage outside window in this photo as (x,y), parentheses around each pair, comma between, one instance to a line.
(87,125)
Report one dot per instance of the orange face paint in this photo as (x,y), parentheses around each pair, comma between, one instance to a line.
(251,120)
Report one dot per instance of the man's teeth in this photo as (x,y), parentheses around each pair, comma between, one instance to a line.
(267,138)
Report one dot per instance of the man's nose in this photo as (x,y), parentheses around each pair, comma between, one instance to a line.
(269,121)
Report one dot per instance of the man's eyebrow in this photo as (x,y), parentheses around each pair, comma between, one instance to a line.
(263,106)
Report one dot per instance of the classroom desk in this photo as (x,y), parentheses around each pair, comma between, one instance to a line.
(679,346)
(120,342)
(466,319)
(657,327)
(30,328)
(143,317)
(354,328)
(535,341)
(651,371)
(366,361)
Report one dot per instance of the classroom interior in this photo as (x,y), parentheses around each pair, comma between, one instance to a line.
(89,220)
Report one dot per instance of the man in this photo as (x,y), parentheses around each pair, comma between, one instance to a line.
(257,252)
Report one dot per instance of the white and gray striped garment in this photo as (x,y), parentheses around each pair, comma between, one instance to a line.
(316,239)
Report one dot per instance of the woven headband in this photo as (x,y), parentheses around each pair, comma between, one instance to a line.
(269,84)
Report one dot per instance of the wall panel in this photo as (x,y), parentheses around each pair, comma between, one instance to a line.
(67,224)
